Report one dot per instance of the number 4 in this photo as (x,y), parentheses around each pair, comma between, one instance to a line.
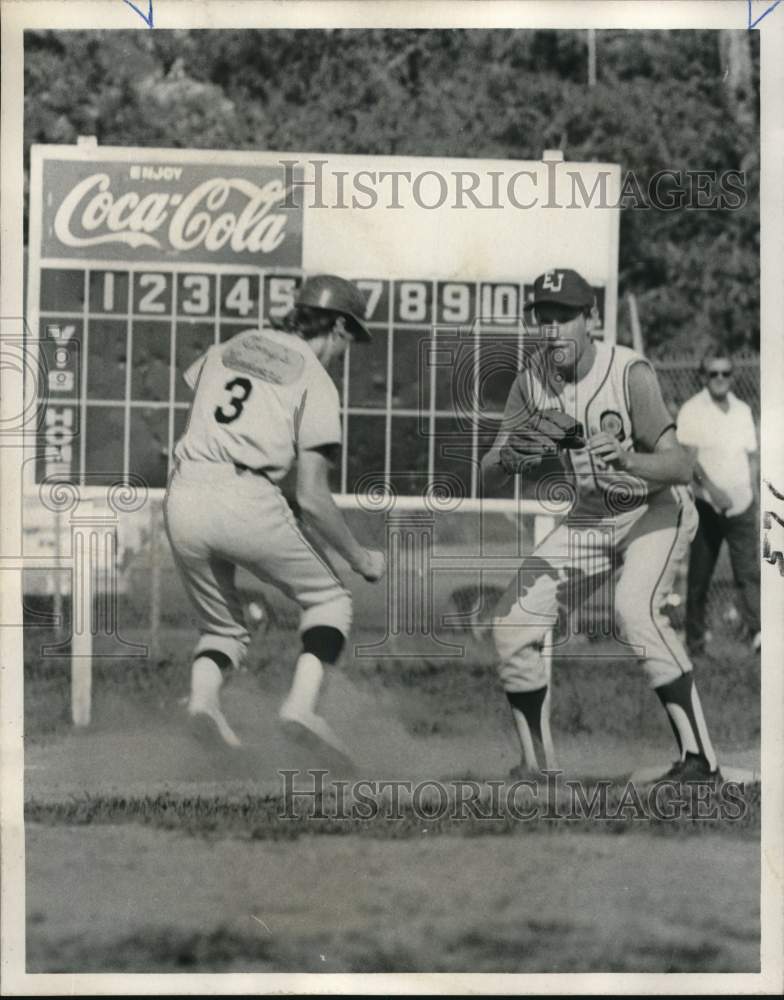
(239,297)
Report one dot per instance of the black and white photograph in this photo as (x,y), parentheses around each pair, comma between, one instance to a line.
(392,498)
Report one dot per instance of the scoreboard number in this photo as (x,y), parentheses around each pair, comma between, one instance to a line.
(108,291)
(157,286)
(499,303)
(413,301)
(281,296)
(456,303)
(239,298)
(198,301)
(374,291)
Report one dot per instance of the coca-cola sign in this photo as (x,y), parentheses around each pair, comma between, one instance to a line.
(179,211)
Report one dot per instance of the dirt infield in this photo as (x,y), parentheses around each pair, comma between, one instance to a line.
(147,851)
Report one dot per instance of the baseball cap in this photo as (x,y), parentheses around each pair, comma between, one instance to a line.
(563,286)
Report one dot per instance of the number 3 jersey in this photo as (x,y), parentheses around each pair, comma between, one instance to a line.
(259,398)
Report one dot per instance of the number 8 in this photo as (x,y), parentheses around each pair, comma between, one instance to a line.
(413,301)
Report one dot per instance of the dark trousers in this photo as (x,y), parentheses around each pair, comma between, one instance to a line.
(742,536)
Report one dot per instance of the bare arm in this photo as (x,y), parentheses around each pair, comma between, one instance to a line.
(720,499)
(321,512)
(660,458)
(495,480)
(668,464)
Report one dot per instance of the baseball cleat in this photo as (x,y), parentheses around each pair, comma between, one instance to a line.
(311,730)
(521,772)
(693,768)
(209,724)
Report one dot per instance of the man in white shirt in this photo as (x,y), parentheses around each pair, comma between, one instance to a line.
(720,429)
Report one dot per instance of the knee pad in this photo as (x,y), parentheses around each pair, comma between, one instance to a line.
(222,649)
(221,660)
(324,642)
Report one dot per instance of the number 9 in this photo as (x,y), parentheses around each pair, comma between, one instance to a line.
(456,300)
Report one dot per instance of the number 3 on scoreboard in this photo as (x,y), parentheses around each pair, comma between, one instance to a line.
(198,301)
(239,390)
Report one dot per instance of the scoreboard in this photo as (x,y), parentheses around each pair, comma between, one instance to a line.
(139,259)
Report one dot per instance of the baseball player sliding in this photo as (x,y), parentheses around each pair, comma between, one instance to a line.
(599,408)
(263,401)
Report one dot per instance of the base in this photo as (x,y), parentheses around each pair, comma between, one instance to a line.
(743,776)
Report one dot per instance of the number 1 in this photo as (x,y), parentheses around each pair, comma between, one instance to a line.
(108,291)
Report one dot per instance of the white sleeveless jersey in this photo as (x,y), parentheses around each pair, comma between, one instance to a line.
(601,402)
(259,398)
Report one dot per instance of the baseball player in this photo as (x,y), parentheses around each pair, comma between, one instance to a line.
(263,401)
(599,408)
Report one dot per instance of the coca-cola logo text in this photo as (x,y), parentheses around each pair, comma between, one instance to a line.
(91,215)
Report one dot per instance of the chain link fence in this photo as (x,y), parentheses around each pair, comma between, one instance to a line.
(681,379)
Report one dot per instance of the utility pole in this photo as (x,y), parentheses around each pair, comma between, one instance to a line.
(638,341)
(591,57)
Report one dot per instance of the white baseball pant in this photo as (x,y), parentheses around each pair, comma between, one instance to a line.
(218,518)
(578,553)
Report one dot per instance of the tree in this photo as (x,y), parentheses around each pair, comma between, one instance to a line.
(677,100)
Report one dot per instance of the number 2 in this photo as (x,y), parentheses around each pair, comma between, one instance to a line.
(149,302)
(239,390)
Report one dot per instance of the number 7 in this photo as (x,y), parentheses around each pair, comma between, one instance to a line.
(374,290)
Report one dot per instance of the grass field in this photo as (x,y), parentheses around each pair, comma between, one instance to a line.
(148,851)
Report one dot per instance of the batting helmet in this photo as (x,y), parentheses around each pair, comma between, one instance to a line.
(327,291)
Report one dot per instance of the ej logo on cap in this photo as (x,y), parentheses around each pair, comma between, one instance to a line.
(553,281)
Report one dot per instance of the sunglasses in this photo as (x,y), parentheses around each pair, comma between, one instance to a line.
(722,373)
(548,313)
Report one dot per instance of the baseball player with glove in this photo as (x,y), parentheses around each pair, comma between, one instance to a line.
(263,401)
(599,409)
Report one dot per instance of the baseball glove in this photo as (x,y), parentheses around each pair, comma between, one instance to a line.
(544,435)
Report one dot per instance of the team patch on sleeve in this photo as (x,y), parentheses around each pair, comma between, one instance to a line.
(611,422)
(260,356)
